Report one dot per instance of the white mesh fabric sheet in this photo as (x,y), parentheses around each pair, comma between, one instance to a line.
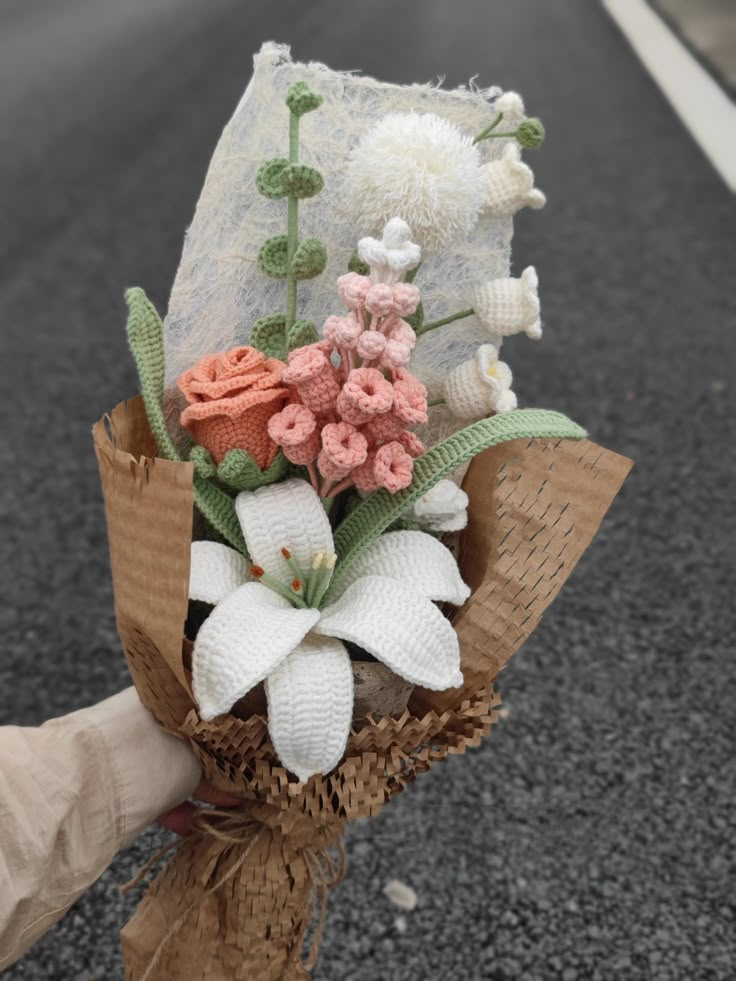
(219,290)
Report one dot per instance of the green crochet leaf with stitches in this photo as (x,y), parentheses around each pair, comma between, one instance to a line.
(376,513)
(239,471)
(146,339)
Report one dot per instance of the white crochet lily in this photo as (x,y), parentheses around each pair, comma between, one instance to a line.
(479,386)
(384,602)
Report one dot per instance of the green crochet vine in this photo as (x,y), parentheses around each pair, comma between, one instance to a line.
(376,513)
(286,256)
(146,339)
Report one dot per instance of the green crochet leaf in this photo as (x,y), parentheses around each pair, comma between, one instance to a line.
(204,465)
(309,259)
(239,471)
(300,334)
(273,257)
(268,177)
(300,98)
(356,265)
(374,515)
(416,319)
(301,181)
(268,335)
(146,339)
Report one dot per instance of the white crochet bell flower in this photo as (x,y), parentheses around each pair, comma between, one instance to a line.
(479,386)
(510,306)
(511,105)
(384,602)
(510,184)
(393,255)
(443,508)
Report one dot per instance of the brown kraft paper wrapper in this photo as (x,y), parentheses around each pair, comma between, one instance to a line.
(236,901)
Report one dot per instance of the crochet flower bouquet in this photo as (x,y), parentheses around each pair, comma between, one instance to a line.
(330,525)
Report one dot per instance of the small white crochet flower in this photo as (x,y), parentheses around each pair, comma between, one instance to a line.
(444,508)
(384,602)
(391,257)
(510,306)
(419,167)
(479,386)
(510,184)
(511,105)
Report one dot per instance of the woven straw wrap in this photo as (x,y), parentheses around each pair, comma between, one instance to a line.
(238,897)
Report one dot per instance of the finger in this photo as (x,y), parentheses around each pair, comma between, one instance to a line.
(210,795)
(178,819)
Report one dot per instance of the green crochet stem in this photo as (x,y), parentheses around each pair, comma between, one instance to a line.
(292,226)
(432,324)
(374,515)
(485,133)
(146,340)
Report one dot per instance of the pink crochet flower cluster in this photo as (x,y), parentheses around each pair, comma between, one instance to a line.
(356,401)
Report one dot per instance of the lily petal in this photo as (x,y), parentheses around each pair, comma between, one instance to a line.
(310,706)
(414,558)
(398,626)
(286,515)
(215,571)
(245,637)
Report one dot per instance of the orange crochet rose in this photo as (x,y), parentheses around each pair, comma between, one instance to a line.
(231,397)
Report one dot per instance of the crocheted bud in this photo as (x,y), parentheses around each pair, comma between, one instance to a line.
(511,105)
(510,184)
(530,133)
(309,259)
(411,443)
(305,452)
(311,371)
(406,297)
(410,399)
(379,300)
(371,345)
(330,470)
(396,355)
(364,477)
(393,467)
(510,306)
(353,289)
(345,331)
(384,428)
(301,99)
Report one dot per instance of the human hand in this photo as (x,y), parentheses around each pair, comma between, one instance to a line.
(179,818)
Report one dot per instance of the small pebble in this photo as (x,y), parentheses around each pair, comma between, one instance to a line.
(400,894)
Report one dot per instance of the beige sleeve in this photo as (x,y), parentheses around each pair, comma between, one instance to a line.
(73,793)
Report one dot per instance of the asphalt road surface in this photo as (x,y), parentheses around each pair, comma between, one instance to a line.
(592,837)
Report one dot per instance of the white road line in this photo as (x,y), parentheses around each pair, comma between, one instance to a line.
(702,105)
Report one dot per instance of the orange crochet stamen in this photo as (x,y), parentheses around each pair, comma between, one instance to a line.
(257,571)
(286,553)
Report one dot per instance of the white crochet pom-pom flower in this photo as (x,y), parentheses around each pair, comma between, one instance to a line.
(510,184)
(384,602)
(511,105)
(421,168)
(444,508)
(510,306)
(392,256)
(479,386)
